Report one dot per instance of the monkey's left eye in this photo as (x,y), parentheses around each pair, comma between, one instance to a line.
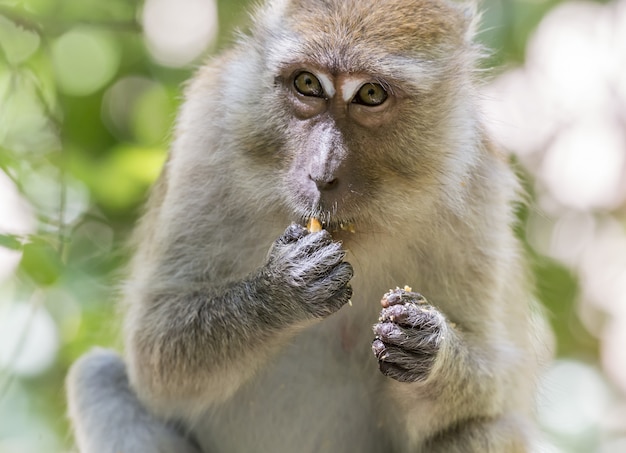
(370,94)
(308,85)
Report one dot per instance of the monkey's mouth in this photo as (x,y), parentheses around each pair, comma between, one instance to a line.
(339,227)
(330,223)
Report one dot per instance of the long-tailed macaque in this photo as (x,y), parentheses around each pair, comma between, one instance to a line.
(246,332)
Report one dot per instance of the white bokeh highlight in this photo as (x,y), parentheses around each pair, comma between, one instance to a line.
(179,31)
(17,218)
(568,104)
(563,114)
(29,339)
(584,165)
(573,398)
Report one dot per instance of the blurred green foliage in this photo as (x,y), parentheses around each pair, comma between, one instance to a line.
(84,155)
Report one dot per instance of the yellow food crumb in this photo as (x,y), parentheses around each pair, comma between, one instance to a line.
(314,225)
(349,227)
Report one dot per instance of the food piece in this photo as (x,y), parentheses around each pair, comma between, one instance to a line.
(349,227)
(314,225)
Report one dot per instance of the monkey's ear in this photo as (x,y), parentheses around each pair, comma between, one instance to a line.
(268,15)
(470,12)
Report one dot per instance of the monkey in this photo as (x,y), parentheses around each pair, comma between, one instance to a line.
(247,332)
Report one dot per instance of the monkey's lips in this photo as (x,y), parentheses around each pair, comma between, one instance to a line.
(334,226)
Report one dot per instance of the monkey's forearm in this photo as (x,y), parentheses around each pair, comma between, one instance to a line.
(476,368)
(206,336)
(469,408)
(194,344)
(436,360)
(469,374)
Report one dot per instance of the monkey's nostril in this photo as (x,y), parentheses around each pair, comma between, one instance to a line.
(329,184)
(325,184)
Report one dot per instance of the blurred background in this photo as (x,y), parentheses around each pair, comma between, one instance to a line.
(88,94)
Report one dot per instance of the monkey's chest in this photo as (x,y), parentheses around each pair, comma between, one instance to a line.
(319,395)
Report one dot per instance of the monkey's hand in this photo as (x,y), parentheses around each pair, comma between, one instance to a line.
(309,270)
(408,337)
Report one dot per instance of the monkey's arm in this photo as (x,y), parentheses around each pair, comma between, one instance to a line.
(193,345)
(462,374)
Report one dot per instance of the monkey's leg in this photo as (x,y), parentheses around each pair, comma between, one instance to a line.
(107,416)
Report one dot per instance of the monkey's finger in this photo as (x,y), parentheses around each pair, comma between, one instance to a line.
(409,315)
(311,265)
(400,296)
(425,342)
(338,299)
(293,233)
(394,355)
(338,277)
(400,364)
(316,242)
(343,295)
(343,273)
(398,373)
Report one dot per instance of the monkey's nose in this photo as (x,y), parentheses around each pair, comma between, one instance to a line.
(324,184)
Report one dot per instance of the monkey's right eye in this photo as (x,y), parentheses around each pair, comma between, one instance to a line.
(308,85)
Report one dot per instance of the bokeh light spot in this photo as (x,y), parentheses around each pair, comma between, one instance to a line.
(16,217)
(17,44)
(139,109)
(574,398)
(614,350)
(84,60)
(179,31)
(29,339)
(585,165)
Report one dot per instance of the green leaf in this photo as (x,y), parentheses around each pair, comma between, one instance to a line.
(10,241)
(41,262)
(17,43)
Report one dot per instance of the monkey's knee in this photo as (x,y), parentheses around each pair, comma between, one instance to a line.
(97,391)
(92,376)
(108,417)
(97,364)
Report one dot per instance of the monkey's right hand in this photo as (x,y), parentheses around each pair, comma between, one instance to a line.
(309,270)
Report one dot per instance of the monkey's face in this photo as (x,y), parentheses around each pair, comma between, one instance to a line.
(370,105)
(333,127)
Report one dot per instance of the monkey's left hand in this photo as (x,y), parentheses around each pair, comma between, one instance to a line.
(408,336)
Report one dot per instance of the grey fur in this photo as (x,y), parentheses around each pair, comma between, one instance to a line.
(231,348)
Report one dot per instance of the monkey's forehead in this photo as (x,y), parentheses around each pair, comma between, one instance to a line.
(362,35)
(397,26)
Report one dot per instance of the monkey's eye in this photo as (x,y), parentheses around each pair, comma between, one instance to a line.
(370,94)
(308,85)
